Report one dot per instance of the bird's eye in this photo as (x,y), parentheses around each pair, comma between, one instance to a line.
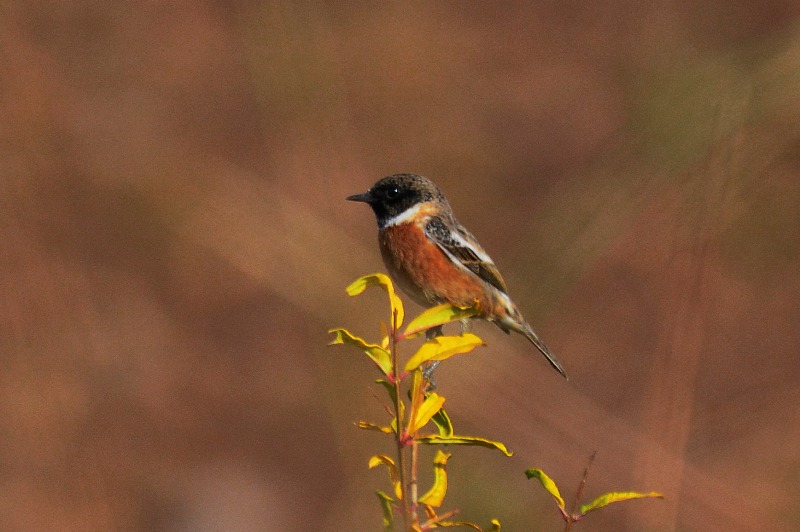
(392,193)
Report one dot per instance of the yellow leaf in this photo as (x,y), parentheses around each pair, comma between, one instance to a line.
(375,352)
(416,393)
(617,496)
(443,423)
(442,348)
(384,330)
(435,496)
(382,280)
(548,484)
(464,440)
(457,524)
(379,459)
(420,417)
(461,524)
(394,474)
(438,315)
(374,426)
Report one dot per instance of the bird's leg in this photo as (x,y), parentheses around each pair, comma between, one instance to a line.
(430,367)
(433,332)
(466,326)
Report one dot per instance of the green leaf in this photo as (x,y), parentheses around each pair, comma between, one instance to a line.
(548,484)
(435,496)
(443,423)
(617,496)
(442,348)
(366,425)
(388,513)
(434,439)
(387,385)
(375,352)
(379,279)
(394,473)
(438,315)
(420,417)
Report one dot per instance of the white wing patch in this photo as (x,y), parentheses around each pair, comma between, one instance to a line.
(472,247)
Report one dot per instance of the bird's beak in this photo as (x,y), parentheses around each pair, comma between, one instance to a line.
(366,197)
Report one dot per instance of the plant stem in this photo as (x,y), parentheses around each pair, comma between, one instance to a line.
(414,496)
(399,433)
(579,493)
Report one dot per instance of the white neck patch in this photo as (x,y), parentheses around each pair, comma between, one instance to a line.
(411,213)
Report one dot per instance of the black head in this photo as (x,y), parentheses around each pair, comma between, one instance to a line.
(397,193)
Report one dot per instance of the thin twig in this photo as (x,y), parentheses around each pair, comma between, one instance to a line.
(579,494)
(438,519)
(399,432)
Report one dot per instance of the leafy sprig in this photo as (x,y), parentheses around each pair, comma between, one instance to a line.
(417,416)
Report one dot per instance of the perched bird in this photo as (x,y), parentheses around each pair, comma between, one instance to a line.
(435,260)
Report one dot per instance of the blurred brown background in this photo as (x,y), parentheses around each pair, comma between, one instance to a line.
(175,244)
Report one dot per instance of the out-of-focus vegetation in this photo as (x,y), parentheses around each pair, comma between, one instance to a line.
(175,239)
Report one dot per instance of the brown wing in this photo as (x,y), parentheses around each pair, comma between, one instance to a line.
(465,250)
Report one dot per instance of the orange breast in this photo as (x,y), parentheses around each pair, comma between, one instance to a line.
(425,273)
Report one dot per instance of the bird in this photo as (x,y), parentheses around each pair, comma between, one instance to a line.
(435,260)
